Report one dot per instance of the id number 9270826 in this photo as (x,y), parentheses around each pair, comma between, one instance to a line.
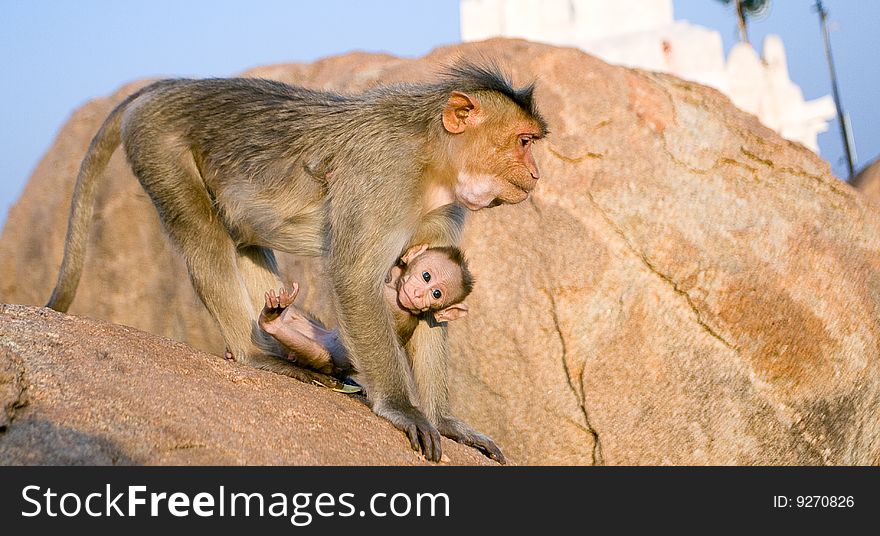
(813,501)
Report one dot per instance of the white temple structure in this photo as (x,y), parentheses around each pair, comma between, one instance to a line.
(644,34)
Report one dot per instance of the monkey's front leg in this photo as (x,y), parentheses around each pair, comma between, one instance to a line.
(429,349)
(383,369)
(366,329)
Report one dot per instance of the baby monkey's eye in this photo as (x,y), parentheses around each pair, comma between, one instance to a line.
(436,293)
(426,276)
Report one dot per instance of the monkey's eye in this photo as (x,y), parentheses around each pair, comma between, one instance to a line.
(525,140)
(426,276)
(436,293)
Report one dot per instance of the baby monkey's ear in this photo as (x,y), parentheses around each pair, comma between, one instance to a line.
(453,312)
(413,252)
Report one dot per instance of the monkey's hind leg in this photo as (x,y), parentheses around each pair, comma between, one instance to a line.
(173,181)
(224,277)
(211,260)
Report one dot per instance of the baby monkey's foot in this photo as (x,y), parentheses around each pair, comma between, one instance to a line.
(275,305)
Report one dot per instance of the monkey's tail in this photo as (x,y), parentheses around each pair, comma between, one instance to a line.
(98,155)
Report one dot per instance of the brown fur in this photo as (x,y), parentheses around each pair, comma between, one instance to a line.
(231,166)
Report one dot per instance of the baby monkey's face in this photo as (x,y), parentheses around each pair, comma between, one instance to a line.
(430,282)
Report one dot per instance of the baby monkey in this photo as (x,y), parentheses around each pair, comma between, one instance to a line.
(424,281)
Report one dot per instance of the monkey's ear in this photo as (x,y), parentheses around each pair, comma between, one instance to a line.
(413,252)
(453,312)
(461,110)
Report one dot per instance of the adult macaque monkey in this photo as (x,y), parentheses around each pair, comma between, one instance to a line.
(231,166)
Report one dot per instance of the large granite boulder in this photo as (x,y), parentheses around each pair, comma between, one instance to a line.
(868,180)
(79,391)
(684,286)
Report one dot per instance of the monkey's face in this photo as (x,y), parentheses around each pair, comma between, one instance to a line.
(498,165)
(430,282)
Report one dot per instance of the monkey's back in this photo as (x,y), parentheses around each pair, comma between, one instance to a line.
(246,119)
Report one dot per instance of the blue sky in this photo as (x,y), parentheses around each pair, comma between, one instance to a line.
(56,55)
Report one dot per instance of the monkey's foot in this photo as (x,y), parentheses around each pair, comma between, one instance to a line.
(423,436)
(457,430)
(275,305)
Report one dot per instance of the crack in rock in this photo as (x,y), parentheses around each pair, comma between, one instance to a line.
(596,453)
(575,159)
(663,277)
(777,404)
(597,447)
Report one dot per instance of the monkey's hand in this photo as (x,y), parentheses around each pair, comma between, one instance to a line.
(458,430)
(407,418)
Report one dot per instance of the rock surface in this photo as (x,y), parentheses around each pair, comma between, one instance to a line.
(868,180)
(79,391)
(684,286)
